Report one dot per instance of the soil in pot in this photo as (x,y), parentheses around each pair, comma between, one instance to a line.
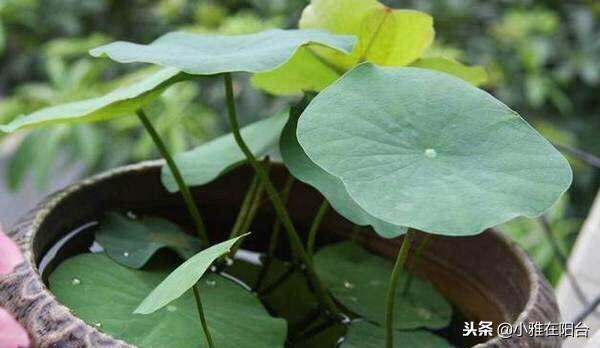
(283,290)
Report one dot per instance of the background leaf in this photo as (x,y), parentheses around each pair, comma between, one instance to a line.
(208,161)
(123,101)
(433,153)
(235,317)
(133,242)
(359,280)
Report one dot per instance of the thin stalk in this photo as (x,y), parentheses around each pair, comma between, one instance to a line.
(393,286)
(562,259)
(243,213)
(280,210)
(285,194)
(312,233)
(355,234)
(185,191)
(586,157)
(415,260)
(250,214)
(587,311)
(207,334)
(274,239)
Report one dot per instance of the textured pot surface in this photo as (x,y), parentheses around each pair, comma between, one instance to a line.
(487,277)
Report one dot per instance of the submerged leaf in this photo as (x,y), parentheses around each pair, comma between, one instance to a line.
(303,169)
(104,294)
(359,280)
(123,101)
(366,335)
(133,242)
(212,54)
(184,277)
(475,75)
(208,161)
(433,153)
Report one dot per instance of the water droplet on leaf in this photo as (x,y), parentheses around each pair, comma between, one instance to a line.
(75,281)
(126,254)
(211,282)
(424,313)
(430,153)
(348,285)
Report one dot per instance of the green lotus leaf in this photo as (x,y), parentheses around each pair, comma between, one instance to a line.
(184,277)
(359,280)
(305,71)
(208,161)
(475,75)
(207,54)
(332,188)
(104,293)
(123,101)
(133,242)
(367,335)
(433,152)
(386,36)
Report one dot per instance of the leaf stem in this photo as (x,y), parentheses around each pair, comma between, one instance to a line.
(280,210)
(207,334)
(250,213)
(274,239)
(185,191)
(416,259)
(244,209)
(562,259)
(285,194)
(392,287)
(312,233)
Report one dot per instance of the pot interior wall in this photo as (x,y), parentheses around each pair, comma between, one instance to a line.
(483,276)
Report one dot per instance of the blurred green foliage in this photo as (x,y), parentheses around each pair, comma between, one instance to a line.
(542,56)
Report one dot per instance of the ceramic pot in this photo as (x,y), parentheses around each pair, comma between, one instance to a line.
(487,277)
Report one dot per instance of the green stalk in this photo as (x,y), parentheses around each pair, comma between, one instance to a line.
(250,213)
(285,194)
(280,210)
(274,239)
(392,287)
(209,339)
(245,208)
(185,191)
(312,233)
(355,234)
(416,259)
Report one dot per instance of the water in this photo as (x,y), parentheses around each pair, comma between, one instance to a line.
(245,269)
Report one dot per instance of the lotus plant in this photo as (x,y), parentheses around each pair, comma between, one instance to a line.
(392,137)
